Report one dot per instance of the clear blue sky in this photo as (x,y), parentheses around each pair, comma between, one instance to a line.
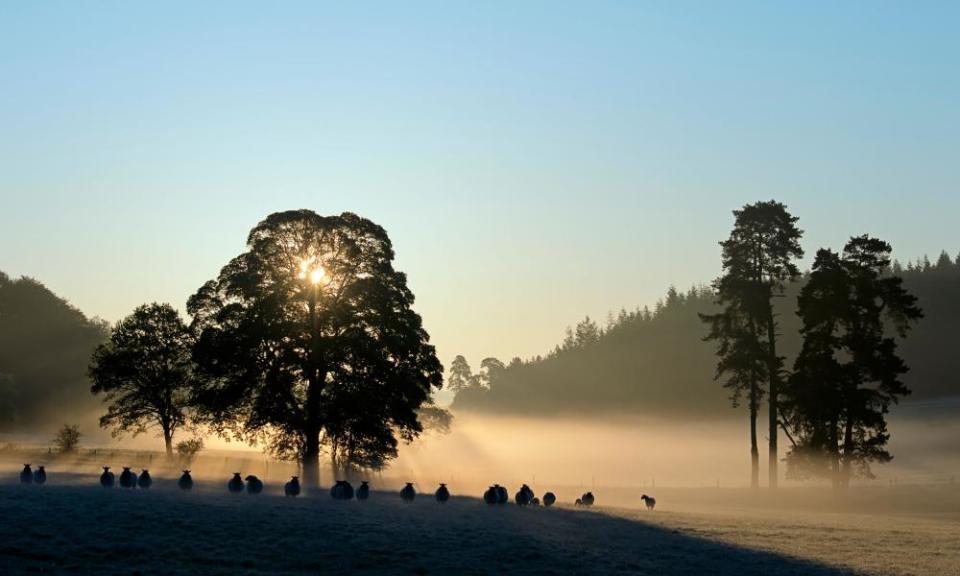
(533,162)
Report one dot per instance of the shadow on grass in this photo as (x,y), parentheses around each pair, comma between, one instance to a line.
(85,528)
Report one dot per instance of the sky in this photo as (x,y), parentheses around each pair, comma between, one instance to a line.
(533,162)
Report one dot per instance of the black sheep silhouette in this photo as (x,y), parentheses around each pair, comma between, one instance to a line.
(524,496)
(490,496)
(649,501)
(408,493)
(502,495)
(585,500)
(127,478)
(254,484)
(235,485)
(26,475)
(549,499)
(144,481)
(341,490)
(39,475)
(363,492)
(106,479)
(442,493)
(186,481)
(292,488)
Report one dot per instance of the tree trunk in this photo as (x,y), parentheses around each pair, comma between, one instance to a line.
(311,461)
(316,377)
(773,400)
(834,455)
(847,452)
(754,450)
(168,441)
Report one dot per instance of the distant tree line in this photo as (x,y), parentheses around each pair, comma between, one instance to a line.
(765,323)
(45,345)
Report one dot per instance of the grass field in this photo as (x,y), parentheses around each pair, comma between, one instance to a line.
(71,525)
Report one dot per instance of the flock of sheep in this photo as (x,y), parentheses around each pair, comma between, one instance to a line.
(341,490)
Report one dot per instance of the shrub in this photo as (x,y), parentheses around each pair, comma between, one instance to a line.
(67,438)
(188,449)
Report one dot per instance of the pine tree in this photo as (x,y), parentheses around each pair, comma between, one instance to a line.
(848,372)
(758,259)
(461,376)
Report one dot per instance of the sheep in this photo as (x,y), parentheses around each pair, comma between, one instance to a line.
(535,501)
(26,475)
(127,478)
(186,481)
(502,496)
(106,479)
(650,501)
(528,494)
(549,499)
(144,481)
(522,497)
(39,475)
(490,496)
(587,499)
(342,490)
(235,485)
(292,488)
(442,493)
(578,502)
(254,484)
(408,493)
(363,492)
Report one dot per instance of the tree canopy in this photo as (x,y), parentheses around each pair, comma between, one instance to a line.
(309,336)
(145,373)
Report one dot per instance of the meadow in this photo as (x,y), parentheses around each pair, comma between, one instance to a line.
(72,525)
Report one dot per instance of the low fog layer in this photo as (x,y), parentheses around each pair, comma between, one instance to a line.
(572,453)
(638,453)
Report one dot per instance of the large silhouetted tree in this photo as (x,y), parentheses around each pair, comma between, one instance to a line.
(308,337)
(741,352)
(758,260)
(145,373)
(848,371)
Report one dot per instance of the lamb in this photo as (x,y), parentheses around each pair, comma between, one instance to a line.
(144,481)
(502,496)
(292,488)
(408,493)
(587,499)
(39,475)
(442,493)
(549,499)
(363,492)
(106,479)
(186,481)
(127,478)
(535,501)
(254,484)
(649,501)
(490,496)
(578,502)
(26,475)
(342,490)
(235,485)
